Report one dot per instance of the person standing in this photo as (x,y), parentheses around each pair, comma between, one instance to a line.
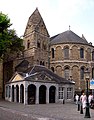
(83,100)
(90,98)
(77,98)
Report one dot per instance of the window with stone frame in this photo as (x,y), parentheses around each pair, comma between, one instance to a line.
(61,93)
(66,72)
(92,55)
(52,51)
(66,53)
(28,44)
(69,93)
(81,53)
(82,73)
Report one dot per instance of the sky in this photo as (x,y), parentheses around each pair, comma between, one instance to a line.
(58,15)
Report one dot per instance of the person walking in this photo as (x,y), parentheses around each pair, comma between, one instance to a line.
(83,100)
(77,98)
(90,98)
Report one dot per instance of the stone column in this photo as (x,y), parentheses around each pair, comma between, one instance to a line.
(37,95)
(25,93)
(56,95)
(15,95)
(19,93)
(47,95)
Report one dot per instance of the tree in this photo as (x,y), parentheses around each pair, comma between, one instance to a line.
(9,41)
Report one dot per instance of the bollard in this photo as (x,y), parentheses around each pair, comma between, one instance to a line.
(81,109)
(78,106)
(63,101)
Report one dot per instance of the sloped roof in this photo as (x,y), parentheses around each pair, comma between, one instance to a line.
(67,37)
(35,20)
(49,73)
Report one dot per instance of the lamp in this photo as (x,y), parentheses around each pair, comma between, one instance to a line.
(87,77)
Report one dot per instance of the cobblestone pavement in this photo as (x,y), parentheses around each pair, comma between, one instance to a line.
(17,111)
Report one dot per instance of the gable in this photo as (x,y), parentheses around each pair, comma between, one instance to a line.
(17,78)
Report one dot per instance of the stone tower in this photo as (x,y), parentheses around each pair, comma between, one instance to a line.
(36,39)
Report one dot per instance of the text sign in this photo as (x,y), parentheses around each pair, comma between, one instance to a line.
(92,84)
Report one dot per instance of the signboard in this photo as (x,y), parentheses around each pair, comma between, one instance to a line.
(92,84)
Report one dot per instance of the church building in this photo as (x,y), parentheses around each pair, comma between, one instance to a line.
(49,66)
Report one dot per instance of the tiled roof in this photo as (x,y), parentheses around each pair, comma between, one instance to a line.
(49,73)
(67,37)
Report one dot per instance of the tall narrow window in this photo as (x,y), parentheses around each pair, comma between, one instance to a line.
(69,93)
(82,73)
(52,52)
(52,68)
(66,52)
(93,55)
(61,93)
(28,44)
(66,73)
(38,44)
(81,53)
(93,73)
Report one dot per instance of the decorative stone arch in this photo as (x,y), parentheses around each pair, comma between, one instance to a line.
(31,94)
(59,70)
(21,93)
(42,94)
(74,52)
(58,53)
(88,54)
(52,93)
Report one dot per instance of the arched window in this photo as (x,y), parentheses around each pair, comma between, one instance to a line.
(82,73)
(42,63)
(81,53)
(28,44)
(93,73)
(52,50)
(38,44)
(93,55)
(52,68)
(66,52)
(66,72)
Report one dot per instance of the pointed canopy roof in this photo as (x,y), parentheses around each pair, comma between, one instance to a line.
(35,19)
(67,37)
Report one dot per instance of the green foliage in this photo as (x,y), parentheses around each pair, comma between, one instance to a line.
(9,41)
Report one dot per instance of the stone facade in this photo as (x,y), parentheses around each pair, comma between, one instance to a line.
(68,57)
